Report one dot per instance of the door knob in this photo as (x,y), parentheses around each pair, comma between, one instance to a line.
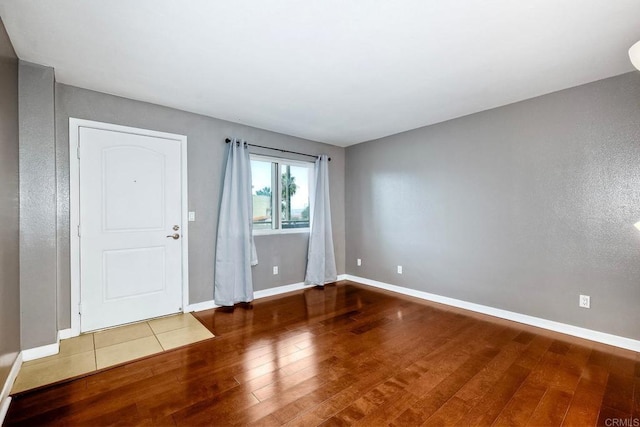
(174,236)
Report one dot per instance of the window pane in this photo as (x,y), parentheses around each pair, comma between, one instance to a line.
(295,196)
(261,192)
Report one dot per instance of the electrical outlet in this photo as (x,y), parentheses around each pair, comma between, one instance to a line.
(399,269)
(585,301)
(275,269)
(358,262)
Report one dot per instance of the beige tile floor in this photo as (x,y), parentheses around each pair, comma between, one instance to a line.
(90,352)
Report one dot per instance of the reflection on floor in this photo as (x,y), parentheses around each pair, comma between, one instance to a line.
(94,351)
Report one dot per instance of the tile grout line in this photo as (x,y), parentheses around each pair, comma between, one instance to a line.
(156,337)
(95,351)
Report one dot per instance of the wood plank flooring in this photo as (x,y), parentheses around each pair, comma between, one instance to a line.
(353,355)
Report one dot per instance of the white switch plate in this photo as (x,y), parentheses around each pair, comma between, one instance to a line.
(192,216)
(585,301)
(358,262)
(275,269)
(399,269)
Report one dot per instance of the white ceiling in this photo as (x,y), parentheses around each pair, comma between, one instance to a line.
(334,71)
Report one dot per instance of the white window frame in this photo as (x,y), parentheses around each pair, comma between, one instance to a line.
(277,203)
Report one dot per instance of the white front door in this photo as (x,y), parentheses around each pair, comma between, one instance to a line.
(130,211)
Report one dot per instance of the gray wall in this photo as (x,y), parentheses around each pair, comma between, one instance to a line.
(9,208)
(37,206)
(522,207)
(206,156)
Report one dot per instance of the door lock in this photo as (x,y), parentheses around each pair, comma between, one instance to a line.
(176,227)
(174,236)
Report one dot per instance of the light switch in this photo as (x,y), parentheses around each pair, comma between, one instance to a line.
(192,216)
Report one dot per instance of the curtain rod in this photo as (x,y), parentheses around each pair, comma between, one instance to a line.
(228,140)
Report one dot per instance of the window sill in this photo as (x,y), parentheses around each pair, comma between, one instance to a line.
(281,231)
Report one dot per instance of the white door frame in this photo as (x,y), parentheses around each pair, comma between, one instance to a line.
(74,207)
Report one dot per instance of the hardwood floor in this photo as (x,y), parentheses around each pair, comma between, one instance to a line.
(349,354)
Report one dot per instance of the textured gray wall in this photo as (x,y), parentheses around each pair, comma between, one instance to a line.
(206,156)
(9,208)
(37,206)
(522,207)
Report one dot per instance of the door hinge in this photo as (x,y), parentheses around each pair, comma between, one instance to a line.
(78,230)
(80,309)
(78,151)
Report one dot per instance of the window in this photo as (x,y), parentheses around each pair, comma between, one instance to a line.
(281,194)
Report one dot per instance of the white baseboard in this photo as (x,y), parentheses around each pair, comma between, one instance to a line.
(280,290)
(66,334)
(551,325)
(207,305)
(288,288)
(5,399)
(201,306)
(38,352)
(50,349)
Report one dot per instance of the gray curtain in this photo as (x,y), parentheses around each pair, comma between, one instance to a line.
(235,249)
(321,260)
